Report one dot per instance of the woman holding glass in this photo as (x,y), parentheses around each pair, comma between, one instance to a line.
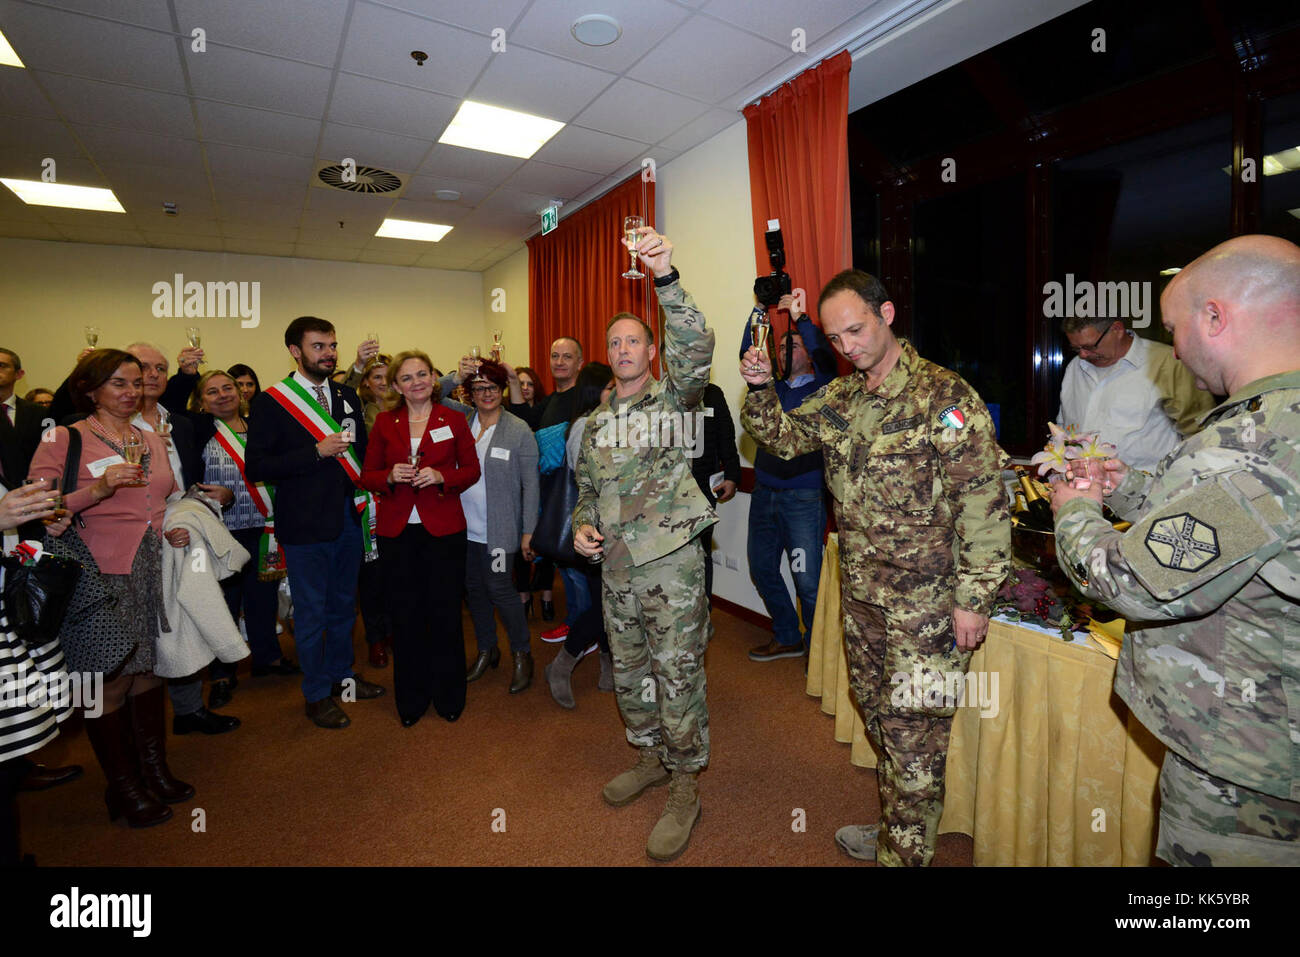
(419,460)
(500,515)
(123,478)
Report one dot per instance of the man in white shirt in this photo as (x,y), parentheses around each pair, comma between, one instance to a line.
(1132,390)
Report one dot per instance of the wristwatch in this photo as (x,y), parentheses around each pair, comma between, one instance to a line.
(668,280)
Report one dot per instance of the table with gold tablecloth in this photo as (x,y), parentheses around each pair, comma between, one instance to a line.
(1062,774)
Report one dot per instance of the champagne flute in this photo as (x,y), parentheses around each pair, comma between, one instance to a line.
(759,328)
(496,345)
(132,451)
(475,352)
(92,335)
(194,336)
(630,238)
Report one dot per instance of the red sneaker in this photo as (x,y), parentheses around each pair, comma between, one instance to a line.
(556,634)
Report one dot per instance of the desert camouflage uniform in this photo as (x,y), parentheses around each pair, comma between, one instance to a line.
(639,492)
(923,522)
(1210,572)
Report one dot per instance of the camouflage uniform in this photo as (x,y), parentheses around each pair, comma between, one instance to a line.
(1211,571)
(638,490)
(914,469)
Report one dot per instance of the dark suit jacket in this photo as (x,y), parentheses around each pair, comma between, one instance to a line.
(310,492)
(18,441)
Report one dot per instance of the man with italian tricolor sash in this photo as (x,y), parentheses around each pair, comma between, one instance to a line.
(307,434)
(914,468)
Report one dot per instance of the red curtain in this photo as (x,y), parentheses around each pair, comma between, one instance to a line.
(574,275)
(799,174)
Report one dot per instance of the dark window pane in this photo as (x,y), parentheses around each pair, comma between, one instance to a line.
(865,203)
(1280,184)
(939,113)
(970,295)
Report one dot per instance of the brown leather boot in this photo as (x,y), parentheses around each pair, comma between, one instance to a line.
(114,743)
(559,675)
(523,674)
(672,834)
(648,772)
(151,745)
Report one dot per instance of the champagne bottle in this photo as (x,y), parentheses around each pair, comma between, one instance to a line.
(1038,511)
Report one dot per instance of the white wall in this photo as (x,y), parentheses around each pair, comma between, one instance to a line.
(50,290)
(505,305)
(704,208)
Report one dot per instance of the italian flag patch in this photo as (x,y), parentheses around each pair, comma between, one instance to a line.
(951,418)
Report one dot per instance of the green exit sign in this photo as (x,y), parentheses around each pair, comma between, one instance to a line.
(550,218)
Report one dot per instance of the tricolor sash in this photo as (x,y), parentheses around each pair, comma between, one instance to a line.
(270,560)
(302,405)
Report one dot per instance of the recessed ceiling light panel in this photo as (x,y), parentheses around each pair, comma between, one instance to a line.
(409,229)
(7,55)
(34,192)
(596,30)
(492,129)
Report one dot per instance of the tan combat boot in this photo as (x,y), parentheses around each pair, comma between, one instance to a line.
(649,772)
(673,832)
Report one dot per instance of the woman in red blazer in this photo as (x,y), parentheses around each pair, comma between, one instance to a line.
(419,459)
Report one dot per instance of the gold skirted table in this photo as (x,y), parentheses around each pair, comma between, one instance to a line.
(1062,774)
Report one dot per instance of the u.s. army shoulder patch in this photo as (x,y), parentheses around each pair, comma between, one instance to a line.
(1192,539)
(1183,542)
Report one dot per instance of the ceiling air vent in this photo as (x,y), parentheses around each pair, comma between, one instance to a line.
(368,179)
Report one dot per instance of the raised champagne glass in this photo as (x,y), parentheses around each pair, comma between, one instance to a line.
(631,236)
(92,336)
(496,345)
(759,329)
(132,451)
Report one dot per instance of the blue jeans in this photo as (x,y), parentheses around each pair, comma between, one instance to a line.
(323,582)
(577,596)
(786,521)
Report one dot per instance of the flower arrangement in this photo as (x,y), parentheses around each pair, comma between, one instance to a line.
(1066,445)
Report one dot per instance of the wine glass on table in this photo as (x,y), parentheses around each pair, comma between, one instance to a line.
(631,236)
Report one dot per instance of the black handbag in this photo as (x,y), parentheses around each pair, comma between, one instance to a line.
(553,536)
(36,597)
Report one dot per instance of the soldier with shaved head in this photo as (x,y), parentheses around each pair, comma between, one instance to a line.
(1210,570)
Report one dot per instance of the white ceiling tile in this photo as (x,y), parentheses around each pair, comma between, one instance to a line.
(360,101)
(27,164)
(182,241)
(156,181)
(20,96)
(380,41)
(307,30)
(258,247)
(437,260)
(354,232)
(34,230)
(698,130)
(13,209)
(121,146)
(141,13)
(392,257)
(429,211)
(547,26)
(777,19)
(639,112)
(387,151)
(254,79)
(337,253)
(276,191)
(590,150)
(519,203)
(481,15)
(47,137)
(196,220)
(252,232)
(240,126)
(538,83)
(85,217)
(102,236)
(239,162)
(558,182)
(708,60)
(125,107)
(422,188)
(84,46)
(473,165)
(342,203)
(242,211)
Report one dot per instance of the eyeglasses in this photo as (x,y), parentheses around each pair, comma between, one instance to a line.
(485,389)
(1093,347)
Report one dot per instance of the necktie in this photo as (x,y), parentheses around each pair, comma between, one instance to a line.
(320,397)
(9,414)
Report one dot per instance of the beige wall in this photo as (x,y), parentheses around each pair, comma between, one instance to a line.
(704,207)
(505,305)
(49,291)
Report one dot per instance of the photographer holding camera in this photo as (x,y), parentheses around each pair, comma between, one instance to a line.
(787,513)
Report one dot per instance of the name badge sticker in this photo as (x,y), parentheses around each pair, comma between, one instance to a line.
(503,454)
(440,434)
(98,467)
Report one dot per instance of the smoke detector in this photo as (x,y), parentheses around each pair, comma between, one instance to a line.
(596,30)
(451,195)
